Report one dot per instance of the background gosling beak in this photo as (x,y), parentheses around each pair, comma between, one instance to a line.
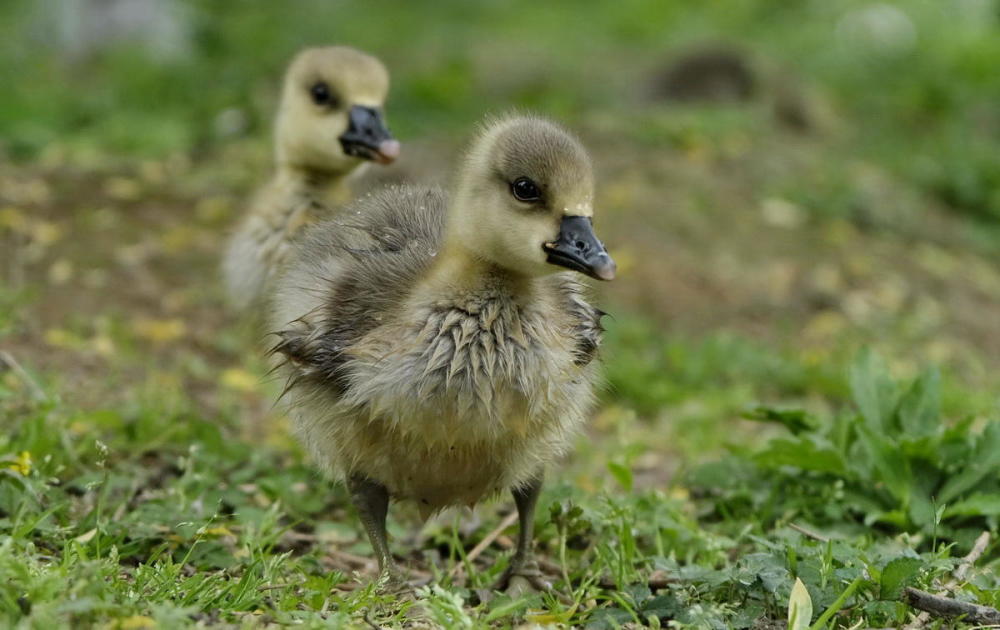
(578,248)
(367,137)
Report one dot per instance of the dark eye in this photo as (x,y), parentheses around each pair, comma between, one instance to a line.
(524,189)
(321,94)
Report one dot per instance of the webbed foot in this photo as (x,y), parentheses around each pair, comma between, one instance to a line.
(522,578)
(394,581)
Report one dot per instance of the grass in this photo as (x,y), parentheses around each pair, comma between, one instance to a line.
(151,514)
(745,439)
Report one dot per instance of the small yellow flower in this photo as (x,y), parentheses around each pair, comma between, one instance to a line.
(20,464)
(136,622)
(679,493)
(219,531)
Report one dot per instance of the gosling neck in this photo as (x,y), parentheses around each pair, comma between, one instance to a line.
(321,185)
(460,273)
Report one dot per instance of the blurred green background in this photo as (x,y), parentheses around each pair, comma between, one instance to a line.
(914,82)
(782,184)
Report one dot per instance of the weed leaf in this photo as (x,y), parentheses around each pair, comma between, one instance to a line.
(984,461)
(808,452)
(800,607)
(890,465)
(873,391)
(976,505)
(622,474)
(795,420)
(898,574)
(920,407)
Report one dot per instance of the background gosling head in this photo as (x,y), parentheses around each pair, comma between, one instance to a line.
(330,119)
(524,201)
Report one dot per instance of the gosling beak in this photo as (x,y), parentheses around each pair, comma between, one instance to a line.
(367,137)
(577,248)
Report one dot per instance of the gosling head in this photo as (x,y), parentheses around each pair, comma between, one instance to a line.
(525,201)
(330,118)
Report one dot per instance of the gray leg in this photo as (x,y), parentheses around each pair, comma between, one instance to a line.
(526,498)
(522,574)
(371,499)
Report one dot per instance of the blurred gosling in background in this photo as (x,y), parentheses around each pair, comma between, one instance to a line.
(329,124)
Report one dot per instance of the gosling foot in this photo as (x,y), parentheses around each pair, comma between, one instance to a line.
(522,578)
(400,594)
(394,582)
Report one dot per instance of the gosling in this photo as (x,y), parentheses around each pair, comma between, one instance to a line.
(433,352)
(329,124)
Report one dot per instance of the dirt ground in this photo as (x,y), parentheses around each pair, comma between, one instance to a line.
(113,267)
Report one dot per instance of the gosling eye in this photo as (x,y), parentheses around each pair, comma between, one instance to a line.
(525,190)
(322,94)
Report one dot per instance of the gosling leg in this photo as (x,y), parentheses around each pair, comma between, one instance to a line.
(371,499)
(522,575)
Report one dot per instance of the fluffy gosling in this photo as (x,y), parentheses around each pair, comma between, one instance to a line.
(432,349)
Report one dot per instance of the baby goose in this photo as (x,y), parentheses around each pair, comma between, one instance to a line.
(433,353)
(329,123)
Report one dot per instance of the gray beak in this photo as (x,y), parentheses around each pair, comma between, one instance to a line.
(368,137)
(578,248)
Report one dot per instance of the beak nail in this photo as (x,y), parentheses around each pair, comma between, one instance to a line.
(367,136)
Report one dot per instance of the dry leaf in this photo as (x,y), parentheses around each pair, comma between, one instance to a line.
(214,209)
(781,213)
(13,219)
(61,338)
(180,238)
(103,345)
(153,172)
(136,622)
(240,380)
(60,272)
(160,330)
(122,188)
(44,233)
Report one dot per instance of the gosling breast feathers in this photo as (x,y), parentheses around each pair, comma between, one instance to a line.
(328,125)
(434,350)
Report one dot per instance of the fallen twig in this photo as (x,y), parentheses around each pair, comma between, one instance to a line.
(948,607)
(656,581)
(808,533)
(8,360)
(484,544)
(271,587)
(371,624)
(978,548)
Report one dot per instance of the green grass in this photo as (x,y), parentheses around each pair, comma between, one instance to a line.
(153,513)
(745,438)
